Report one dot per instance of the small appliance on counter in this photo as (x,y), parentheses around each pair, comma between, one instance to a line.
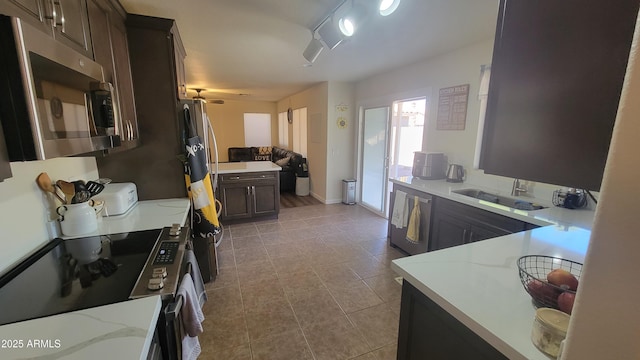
(570,199)
(455,173)
(118,198)
(428,166)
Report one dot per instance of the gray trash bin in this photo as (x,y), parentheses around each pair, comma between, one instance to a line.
(349,191)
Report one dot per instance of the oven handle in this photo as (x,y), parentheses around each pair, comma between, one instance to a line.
(173,309)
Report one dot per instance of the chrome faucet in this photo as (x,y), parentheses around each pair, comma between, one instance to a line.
(517,188)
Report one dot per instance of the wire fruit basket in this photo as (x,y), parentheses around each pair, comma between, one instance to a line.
(533,271)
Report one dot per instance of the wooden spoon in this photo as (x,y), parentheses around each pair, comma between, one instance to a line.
(68,189)
(45,184)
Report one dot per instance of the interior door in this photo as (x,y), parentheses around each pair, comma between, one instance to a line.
(375,158)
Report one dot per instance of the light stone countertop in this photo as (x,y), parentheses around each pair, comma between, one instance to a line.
(478,283)
(145,215)
(582,218)
(245,167)
(118,331)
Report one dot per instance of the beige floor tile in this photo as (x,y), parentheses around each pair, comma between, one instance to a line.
(223,332)
(270,319)
(389,255)
(256,294)
(281,250)
(293,224)
(376,247)
(365,267)
(367,356)
(335,339)
(385,286)
(241,352)
(222,301)
(300,283)
(315,306)
(226,259)
(247,242)
(335,274)
(291,264)
(305,269)
(256,272)
(286,346)
(238,231)
(226,277)
(251,255)
(269,227)
(354,296)
(378,325)
(388,352)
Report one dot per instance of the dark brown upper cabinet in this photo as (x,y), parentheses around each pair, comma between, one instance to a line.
(556,78)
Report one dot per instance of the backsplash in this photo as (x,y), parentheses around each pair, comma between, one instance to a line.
(26,210)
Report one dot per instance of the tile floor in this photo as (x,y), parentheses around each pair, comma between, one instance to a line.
(314,284)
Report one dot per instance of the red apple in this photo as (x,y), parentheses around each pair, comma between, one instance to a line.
(543,293)
(565,302)
(563,279)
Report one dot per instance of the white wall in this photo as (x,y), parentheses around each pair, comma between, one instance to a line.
(341,157)
(25,210)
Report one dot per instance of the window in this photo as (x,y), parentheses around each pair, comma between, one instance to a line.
(283,130)
(257,129)
(300,131)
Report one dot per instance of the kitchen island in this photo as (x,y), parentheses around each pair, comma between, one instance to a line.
(479,286)
(248,190)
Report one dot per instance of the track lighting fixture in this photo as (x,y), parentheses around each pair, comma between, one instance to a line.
(387,7)
(333,29)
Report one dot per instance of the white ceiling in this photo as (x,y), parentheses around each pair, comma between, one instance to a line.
(255,47)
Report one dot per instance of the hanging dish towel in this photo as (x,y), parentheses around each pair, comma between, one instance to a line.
(413,232)
(196,276)
(400,210)
(192,318)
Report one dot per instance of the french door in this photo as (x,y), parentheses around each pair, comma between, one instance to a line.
(389,137)
(375,159)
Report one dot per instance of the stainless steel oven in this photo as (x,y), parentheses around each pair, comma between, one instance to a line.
(131,265)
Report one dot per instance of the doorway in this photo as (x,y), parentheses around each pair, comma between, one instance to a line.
(389,137)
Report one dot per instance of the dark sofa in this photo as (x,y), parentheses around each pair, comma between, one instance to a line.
(290,162)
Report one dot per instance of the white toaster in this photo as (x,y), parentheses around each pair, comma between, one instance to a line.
(118,198)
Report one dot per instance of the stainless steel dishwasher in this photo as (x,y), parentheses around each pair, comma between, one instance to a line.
(401,211)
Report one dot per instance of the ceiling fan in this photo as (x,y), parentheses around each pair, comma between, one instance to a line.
(200,97)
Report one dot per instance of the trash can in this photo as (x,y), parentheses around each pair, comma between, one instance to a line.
(349,191)
(302,185)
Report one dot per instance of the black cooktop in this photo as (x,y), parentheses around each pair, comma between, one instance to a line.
(75,274)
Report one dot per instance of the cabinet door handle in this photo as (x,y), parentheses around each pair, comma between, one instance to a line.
(464,236)
(55,16)
(234,178)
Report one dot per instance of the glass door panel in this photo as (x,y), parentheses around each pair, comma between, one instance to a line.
(374,158)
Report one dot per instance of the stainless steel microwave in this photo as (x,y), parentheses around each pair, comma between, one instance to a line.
(54,100)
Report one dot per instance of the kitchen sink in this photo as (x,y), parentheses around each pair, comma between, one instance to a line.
(499,199)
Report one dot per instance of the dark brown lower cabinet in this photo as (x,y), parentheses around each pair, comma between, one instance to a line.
(249,195)
(454,224)
(428,332)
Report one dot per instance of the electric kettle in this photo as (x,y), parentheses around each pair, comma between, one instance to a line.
(455,173)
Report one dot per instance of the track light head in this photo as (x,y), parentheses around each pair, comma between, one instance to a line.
(313,50)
